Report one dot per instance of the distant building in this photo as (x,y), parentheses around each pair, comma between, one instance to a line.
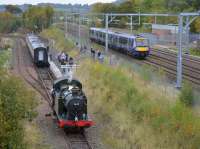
(160,30)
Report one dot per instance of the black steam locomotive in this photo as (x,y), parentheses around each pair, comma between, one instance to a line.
(70,104)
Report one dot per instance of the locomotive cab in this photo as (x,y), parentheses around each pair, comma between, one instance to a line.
(70,104)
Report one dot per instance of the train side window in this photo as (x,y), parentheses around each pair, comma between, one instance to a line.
(115,40)
(118,42)
(100,35)
(103,36)
(91,33)
(97,34)
(123,41)
(110,38)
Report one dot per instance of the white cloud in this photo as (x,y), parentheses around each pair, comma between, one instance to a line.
(52,1)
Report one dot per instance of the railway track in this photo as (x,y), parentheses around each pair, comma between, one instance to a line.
(162,59)
(42,84)
(78,141)
(46,81)
(22,68)
(167,60)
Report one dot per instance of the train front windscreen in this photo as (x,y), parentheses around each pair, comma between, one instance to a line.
(142,42)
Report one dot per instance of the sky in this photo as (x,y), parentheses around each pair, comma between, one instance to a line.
(52,1)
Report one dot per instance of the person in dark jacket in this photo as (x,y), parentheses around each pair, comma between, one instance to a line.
(67,56)
(71,61)
(93,53)
(98,54)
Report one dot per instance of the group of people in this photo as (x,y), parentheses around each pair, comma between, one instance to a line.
(94,53)
(100,55)
(64,58)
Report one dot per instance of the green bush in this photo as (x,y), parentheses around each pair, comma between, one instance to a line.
(10,22)
(38,18)
(134,113)
(61,43)
(17,104)
(186,95)
(195,52)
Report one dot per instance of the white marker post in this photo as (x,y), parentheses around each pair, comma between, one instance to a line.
(68,70)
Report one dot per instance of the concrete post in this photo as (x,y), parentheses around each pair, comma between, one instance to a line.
(155,20)
(179,58)
(66,27)
(131,24)
(106,50)
(79,31)
(187,34)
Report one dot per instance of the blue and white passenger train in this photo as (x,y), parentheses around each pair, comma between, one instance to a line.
(133,45)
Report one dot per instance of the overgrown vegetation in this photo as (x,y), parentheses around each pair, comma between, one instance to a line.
(33,137)
(186,95)
(9,22)
(195,52)
(35,18)
(151,6)
(136,114)
(17,105)
(60,42)
(13,9)
(38,18)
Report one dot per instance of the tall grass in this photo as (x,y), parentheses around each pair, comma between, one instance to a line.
(61,43)
(195,52)
(135,114)
(187,96)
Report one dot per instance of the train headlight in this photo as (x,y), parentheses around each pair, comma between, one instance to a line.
(142,49)
(76,118)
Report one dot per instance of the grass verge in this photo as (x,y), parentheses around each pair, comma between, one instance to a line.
(17,110)
(33,137)
(136,114)
(61,42)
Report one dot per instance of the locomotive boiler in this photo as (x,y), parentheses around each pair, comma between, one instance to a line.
(70,104)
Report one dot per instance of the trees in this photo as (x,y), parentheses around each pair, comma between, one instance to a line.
(195,26)
(37,18)
(104,8)
(152,6)
(10,22)
(13,9)
(16,105)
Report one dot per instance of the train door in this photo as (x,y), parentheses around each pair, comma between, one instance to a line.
(131,44)
(41,55)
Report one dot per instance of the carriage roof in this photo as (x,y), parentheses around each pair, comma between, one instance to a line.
(35,41)
(115,33)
